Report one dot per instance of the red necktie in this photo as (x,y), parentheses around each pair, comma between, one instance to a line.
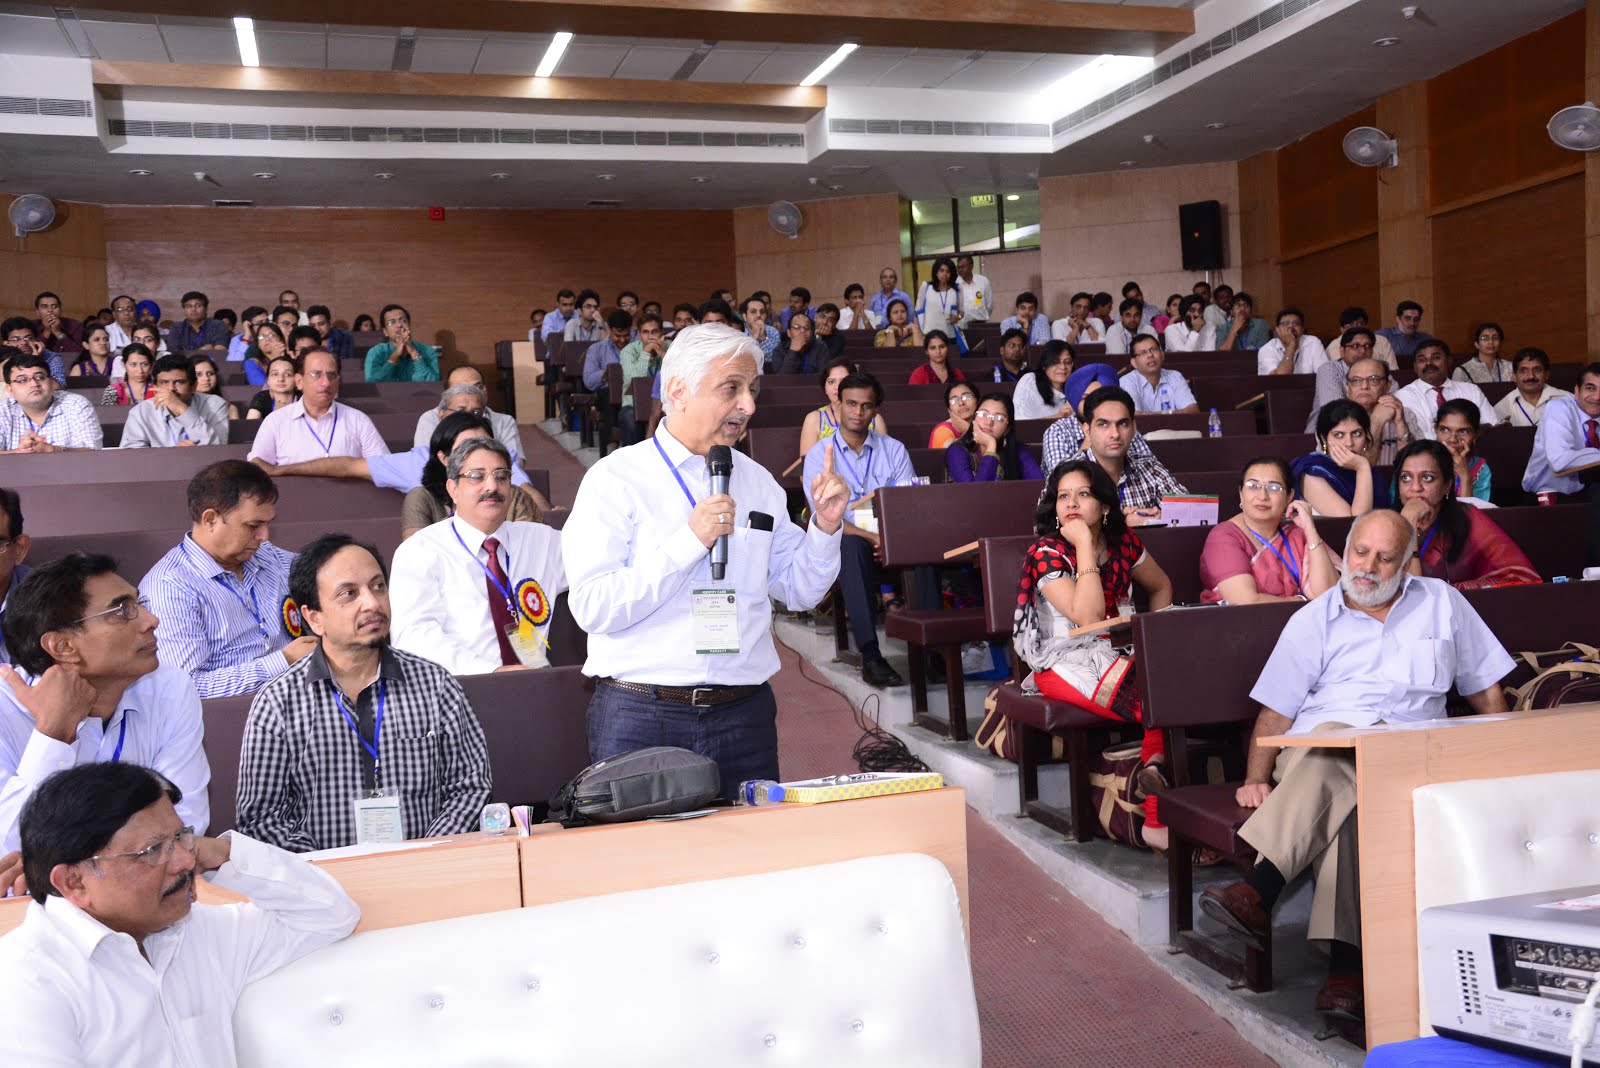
(1438,398)
(1591,435)
(499,614)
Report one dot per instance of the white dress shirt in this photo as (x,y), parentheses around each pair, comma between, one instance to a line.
(439,594)
(157,724)
(1514,407)
(977,299)
(1559,445)
(1180,337)
(1147,398)
(1061,330)
(1423,402)
(1217,319)
(80,994)
(1118,341)
(1307,358)
(1336,664)
(632,562)
(847,319)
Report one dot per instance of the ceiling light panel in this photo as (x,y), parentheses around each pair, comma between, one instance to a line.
(588,60)
(517,56)
(553,54)
(786,68)
(244,32)
(827,66)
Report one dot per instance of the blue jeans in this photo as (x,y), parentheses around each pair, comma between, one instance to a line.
(741,736)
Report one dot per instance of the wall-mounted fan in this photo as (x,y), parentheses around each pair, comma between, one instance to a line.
(1368,146)
(1577,127)
(31,213)
(785,218)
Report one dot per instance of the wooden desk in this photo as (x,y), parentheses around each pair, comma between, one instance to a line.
(1391,762)
(589,861)
(525,372)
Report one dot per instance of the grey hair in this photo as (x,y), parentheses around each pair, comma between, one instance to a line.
(1361,520)
(460,391)
(462,452)
(696,348)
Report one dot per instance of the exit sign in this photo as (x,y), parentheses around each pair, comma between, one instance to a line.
(982,200)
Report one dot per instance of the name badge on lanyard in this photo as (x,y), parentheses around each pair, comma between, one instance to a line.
(378,818)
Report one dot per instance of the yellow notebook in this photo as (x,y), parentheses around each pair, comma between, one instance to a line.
(862,784)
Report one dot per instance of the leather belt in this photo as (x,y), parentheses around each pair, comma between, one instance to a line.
(696,696)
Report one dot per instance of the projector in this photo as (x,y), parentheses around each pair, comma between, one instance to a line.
(1511,972)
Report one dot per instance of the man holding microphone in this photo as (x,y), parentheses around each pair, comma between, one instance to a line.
(681,657)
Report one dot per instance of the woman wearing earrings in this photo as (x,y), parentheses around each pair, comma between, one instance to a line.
(1337,479)
(1270,551)
(1455,542)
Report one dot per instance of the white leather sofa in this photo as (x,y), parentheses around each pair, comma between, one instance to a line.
(859,963)
(1487,838)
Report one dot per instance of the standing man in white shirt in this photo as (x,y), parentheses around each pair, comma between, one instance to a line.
(114,963)
(176,415)
(1524,405)
(1426,393)
(977,295)
(1566,453)
(475,592)
(682,658)
(1291,351)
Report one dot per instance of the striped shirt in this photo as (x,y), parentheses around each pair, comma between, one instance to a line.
(227,634)
(302,765)
(69,423)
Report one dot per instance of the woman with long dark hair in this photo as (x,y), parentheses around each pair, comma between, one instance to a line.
(939,301)
(988,451)
(1455,542)
(1337,479)
(428,503)
(1041,393)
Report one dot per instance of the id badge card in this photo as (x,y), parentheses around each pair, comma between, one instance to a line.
(715,621)
(378,819)
(528,644)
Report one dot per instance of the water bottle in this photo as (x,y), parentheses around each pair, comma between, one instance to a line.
(1214,424)
(997,373)
(759,792)
(1166,402)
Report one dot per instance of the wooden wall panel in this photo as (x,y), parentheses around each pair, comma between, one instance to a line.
(69,259)
(1592,176)
(1405,247)
(1323,199)
(1486,118)
(843,240)
(468,281)
(1324,283)
(1518,259)
(1259,247)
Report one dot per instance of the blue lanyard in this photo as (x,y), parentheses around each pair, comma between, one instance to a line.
(122,736)
(1525,415)
(1427,541)
(1287,561)
(253,606)
(843,455)
(675,474)
(511,602)
(179,434)
(377,721)
(327,447)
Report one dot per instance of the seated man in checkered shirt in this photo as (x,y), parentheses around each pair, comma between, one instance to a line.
(1109,429)
(358,742)
(36,417)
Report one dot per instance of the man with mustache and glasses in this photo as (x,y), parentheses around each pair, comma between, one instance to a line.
(357,742)
(476,592)
(114,963)
(1384,647)
(87,686)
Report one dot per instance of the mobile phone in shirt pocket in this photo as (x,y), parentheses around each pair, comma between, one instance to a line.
(749,551)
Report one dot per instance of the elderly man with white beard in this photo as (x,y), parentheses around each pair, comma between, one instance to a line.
(1383,647)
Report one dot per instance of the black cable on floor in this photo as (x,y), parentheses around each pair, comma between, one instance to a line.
(877,749)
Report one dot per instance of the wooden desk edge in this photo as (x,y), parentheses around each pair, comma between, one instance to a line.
(1348,738)
(961,550)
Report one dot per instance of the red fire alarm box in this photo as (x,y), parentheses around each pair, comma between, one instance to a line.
(436,215)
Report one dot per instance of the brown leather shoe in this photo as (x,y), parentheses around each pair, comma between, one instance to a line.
(1239,907)
(1342,995)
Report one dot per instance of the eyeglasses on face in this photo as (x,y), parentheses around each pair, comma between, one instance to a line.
(1255,485)
(24,380)
(1364,380)
(962,398)
(990,417)
(317,376)
(127,610)
(500,476)
(156,854)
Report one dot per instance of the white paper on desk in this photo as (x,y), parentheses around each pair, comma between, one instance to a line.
(1189,511)
(370,849)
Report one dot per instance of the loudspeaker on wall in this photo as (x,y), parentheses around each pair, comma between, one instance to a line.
(1200,233)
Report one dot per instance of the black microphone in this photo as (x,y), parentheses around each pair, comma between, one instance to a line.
(719,462)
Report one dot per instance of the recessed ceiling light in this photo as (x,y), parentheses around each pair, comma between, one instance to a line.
(1216,125)
(552,55)
(1013,196)
(140,172)
(384,176)
(1127,163)
(700,179)
(605,177)
(245,31)
(265,176)
(500,176)
(1386,42)
(826,66)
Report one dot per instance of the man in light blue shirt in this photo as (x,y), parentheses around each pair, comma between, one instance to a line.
(1154,388)
(602,354)
(866,460)
(1382,647)
(222,594)
(556,319)
(888,291)
(1028,320)
(1566,452)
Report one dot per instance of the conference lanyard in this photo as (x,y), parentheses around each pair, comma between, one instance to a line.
(122,736)
(377,721)
(1287,561)
(327,447)
(178,433)
(253,607)
(511,602)
(1531,420)
(843,454)
(675,474)
(1427,541)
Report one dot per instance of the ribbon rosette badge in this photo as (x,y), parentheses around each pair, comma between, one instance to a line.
(534,604)
(291,618)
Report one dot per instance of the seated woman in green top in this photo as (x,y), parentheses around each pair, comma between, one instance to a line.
(400,359)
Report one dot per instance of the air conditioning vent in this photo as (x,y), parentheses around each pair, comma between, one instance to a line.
(29,105)
(604,204)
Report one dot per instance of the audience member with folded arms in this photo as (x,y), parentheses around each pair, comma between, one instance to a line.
(1013,357)
(207,382)
(1456,428)
(95,360)
(1427,393)
(429,502)
(1155,388)
(475,593)
(1109,432)
(676,665)
(1081,571)
(86,685)
(822,423)
(1040,394)
(176,415)
(1337,479)
(1524,405)
(358,742)
(1271,550)
(475,401)
(1064,438)
(899,329)
(1333,669)
(937,347)
(114,963)
(399,357)
(1461,545)
(197,331)
(38,418)
(18,333)
(316,425)
(13,568)
(961,402)
(988,451)
(223,591)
